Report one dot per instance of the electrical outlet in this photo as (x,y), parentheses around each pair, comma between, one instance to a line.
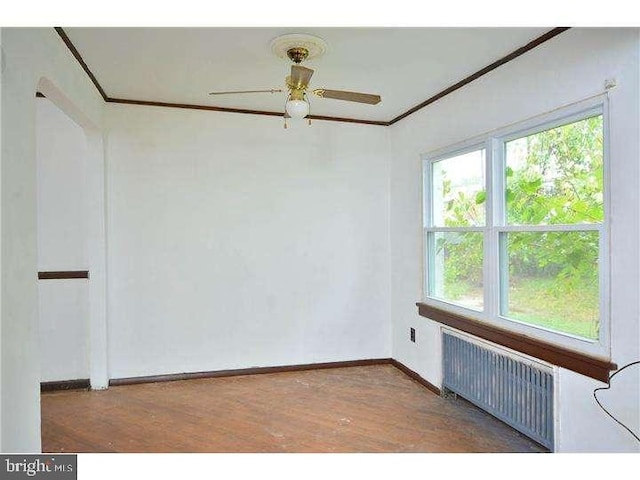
(412,334)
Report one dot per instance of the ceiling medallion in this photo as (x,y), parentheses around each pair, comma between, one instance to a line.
(300,46)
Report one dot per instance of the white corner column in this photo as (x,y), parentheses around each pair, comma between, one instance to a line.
(96,226)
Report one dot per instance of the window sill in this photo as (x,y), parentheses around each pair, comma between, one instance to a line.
(593,367)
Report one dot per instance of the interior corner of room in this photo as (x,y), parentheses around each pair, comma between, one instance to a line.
(152,240)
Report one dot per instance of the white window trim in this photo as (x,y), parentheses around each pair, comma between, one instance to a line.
(492,142)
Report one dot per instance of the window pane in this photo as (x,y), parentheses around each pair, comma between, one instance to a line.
(456,268)
(458,190)
(553,280)
(556,176)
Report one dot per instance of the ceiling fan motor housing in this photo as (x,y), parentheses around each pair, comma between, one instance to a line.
(297,54)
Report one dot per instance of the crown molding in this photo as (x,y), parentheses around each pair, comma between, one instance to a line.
(483,71)
(78,57)
(212,108)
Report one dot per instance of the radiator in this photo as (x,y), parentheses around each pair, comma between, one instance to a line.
(517,391)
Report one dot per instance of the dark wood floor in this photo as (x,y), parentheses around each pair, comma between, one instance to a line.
(357,409)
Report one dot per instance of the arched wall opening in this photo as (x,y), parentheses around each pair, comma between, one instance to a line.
(71,239)
(36,59)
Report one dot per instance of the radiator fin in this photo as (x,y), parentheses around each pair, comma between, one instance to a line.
(517,393)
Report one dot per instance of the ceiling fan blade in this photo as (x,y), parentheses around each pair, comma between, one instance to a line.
(348,96)
(272,90)
(300,76)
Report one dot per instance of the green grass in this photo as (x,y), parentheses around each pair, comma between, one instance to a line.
(465,294)
(542,301)
(548,303)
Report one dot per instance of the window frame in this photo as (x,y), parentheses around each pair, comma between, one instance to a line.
(496,225)
(429,230)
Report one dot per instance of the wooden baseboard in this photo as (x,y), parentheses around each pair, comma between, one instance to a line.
(84,383)
(415,376)
(246,371)
(79,384)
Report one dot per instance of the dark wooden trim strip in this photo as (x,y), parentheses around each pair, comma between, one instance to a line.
(593,367)
(80,60)
(150,103)
(213,108)
(63,275)
(246,371)
(349,120)
(516,53)
(415,376)
(82,383)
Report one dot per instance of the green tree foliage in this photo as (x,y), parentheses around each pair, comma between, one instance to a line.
(462,251)
(560,181)
(554,177)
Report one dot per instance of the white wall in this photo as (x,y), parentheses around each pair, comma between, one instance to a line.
(34,59)
(234,243)
(565,69)
(62,200)
(62,244)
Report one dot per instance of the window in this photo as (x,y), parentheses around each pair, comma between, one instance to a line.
(457,220)
(515,229)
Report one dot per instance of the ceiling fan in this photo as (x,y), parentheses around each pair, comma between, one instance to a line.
(298,48)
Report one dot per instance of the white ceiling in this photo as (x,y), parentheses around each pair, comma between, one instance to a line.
(181,65)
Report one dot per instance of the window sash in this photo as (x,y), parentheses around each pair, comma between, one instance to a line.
(428,205)
(496,227)
(505,278)
(431,274)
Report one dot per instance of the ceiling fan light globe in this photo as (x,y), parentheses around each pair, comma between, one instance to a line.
(297,108)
